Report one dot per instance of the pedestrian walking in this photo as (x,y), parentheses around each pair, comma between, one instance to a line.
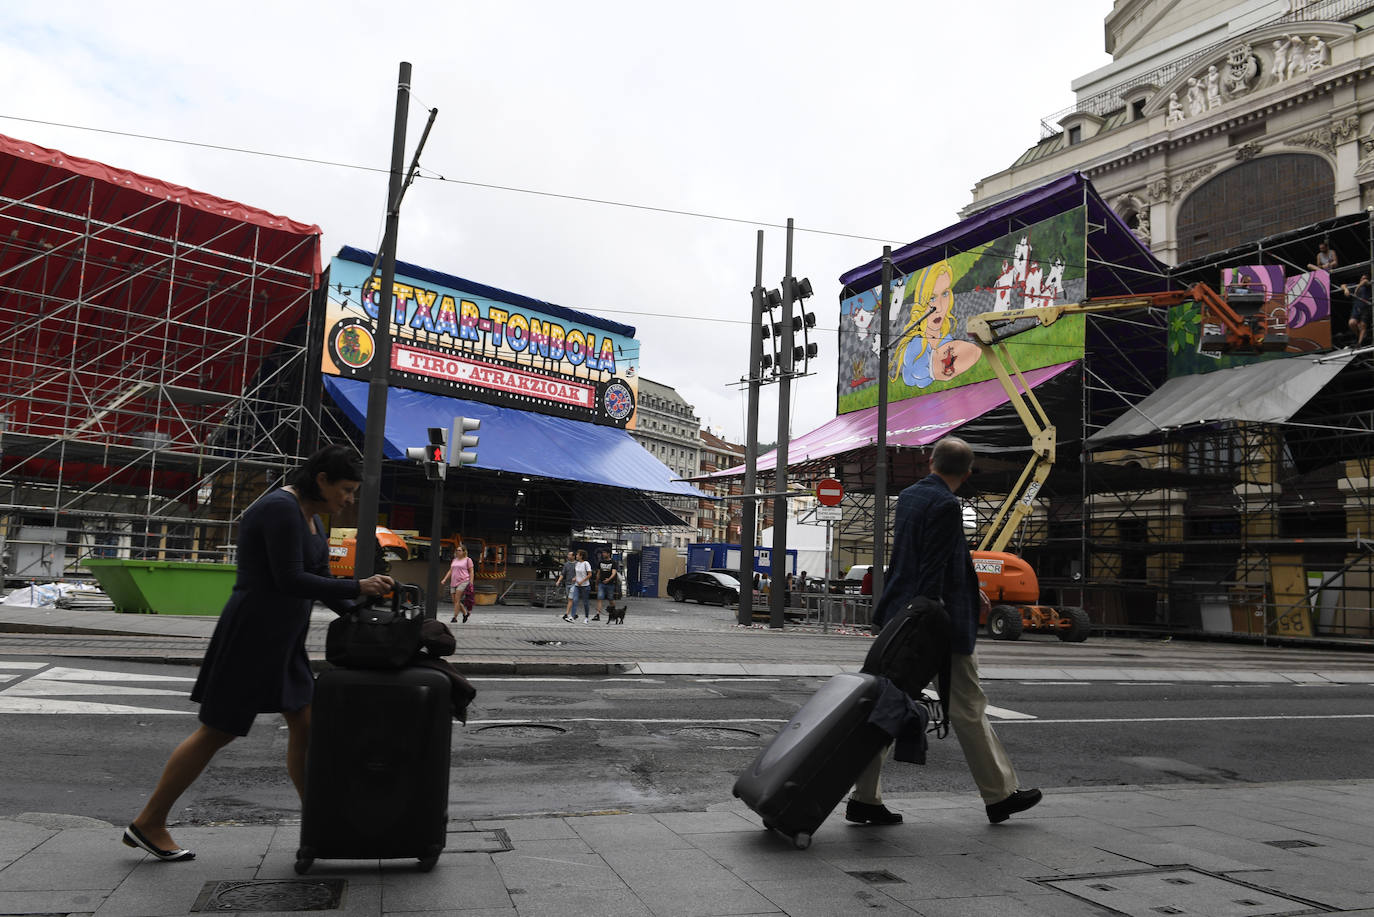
(256,661)
(567,579)
(607,578)
(582,583)
(459,582)
(930,558)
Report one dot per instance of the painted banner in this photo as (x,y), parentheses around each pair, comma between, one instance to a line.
(1301,302)
(1039,265)
(452,341)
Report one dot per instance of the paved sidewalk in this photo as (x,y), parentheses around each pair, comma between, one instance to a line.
(1292,848)
(1210,851)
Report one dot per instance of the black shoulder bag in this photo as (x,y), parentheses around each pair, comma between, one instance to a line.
(372,637)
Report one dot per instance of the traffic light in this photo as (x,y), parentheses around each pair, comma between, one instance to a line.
(464,441)
(432,456)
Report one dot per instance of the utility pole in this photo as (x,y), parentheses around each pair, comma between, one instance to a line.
(374,434)
(749,511)
(880,470)
(778,594)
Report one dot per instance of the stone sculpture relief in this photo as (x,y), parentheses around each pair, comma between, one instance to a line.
(1292,56)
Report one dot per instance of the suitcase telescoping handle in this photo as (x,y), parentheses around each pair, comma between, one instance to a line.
(413,594)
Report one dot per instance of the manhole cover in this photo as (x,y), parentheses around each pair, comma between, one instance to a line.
(271,895)
(522,730)
(543,700)
(554,643)
(1181,890)
(716,733)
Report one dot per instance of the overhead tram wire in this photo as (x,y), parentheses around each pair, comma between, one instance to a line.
(441,178)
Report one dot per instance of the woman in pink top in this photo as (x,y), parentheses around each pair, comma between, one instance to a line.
(457,578)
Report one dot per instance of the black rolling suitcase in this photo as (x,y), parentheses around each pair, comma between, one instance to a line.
(802,774)
(377,771)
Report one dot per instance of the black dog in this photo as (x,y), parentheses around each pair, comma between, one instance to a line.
(615,615)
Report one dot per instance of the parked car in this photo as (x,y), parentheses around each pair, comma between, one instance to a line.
(705,586)
(733,574)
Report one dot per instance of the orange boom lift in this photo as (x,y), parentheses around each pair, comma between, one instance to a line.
(1243,321)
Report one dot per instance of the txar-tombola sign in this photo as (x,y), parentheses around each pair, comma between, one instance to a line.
(455,337)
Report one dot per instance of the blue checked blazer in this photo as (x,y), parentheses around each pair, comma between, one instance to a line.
(930,557)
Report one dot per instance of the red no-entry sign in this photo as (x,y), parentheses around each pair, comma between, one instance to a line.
(830,492)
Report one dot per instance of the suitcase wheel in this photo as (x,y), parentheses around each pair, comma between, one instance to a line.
(801,840)
(305,858)
(429,859)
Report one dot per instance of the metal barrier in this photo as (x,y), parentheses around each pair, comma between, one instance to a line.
(836,610)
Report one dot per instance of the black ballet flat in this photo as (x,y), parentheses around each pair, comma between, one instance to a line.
(134,838)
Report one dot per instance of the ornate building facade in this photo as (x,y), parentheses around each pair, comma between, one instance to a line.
(1218,123)
(670,430)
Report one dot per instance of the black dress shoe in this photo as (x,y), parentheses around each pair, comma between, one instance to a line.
(1019,801)
(866,813)
(134,838)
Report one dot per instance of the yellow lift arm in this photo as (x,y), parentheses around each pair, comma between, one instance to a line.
(1252,333)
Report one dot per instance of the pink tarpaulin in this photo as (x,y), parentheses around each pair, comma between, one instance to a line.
(913,422)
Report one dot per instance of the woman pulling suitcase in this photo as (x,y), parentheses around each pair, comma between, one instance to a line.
(256,661)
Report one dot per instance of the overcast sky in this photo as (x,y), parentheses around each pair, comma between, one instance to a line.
(864,118)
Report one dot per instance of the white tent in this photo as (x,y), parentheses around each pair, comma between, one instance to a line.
(809,543)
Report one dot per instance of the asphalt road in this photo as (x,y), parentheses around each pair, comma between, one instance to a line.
(97,738)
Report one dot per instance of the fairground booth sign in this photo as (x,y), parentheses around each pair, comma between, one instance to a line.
(458,338)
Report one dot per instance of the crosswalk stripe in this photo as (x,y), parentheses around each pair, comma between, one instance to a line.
(44,705)
(60,673)
(35,688)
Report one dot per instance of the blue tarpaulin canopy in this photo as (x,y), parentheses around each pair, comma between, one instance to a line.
(515,441)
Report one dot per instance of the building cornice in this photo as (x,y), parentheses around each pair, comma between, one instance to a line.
(1260,109)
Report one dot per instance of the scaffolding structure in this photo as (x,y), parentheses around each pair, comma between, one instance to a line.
(154,363)
(1261,529)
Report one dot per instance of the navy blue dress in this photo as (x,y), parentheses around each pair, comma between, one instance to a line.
(256,662)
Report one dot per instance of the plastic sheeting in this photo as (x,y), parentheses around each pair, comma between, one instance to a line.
(1269,392)
(519,442)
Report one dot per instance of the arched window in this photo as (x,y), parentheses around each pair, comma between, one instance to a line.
(1253,200)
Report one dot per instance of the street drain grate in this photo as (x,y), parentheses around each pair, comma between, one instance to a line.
(521,730)
(553,642)
(271,895)
(1180,890)
(496,840)
(876,876)
(716,733)
(1290,845)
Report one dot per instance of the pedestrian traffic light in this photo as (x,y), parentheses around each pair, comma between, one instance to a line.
(464,441)
(432,456)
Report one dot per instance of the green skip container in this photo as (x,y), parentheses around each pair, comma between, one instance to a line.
(164,587)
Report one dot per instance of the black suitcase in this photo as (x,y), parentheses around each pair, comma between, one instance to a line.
(802,774)
(377,770)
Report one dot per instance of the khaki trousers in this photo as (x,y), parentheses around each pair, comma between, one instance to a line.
(968,705)
(987,759)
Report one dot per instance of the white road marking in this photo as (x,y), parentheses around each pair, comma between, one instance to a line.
(26,666)
(42,705)
(34,695)
(747,678)
(582,681)
(36,688)
(58,673)
(1206,719)
(1002,713)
